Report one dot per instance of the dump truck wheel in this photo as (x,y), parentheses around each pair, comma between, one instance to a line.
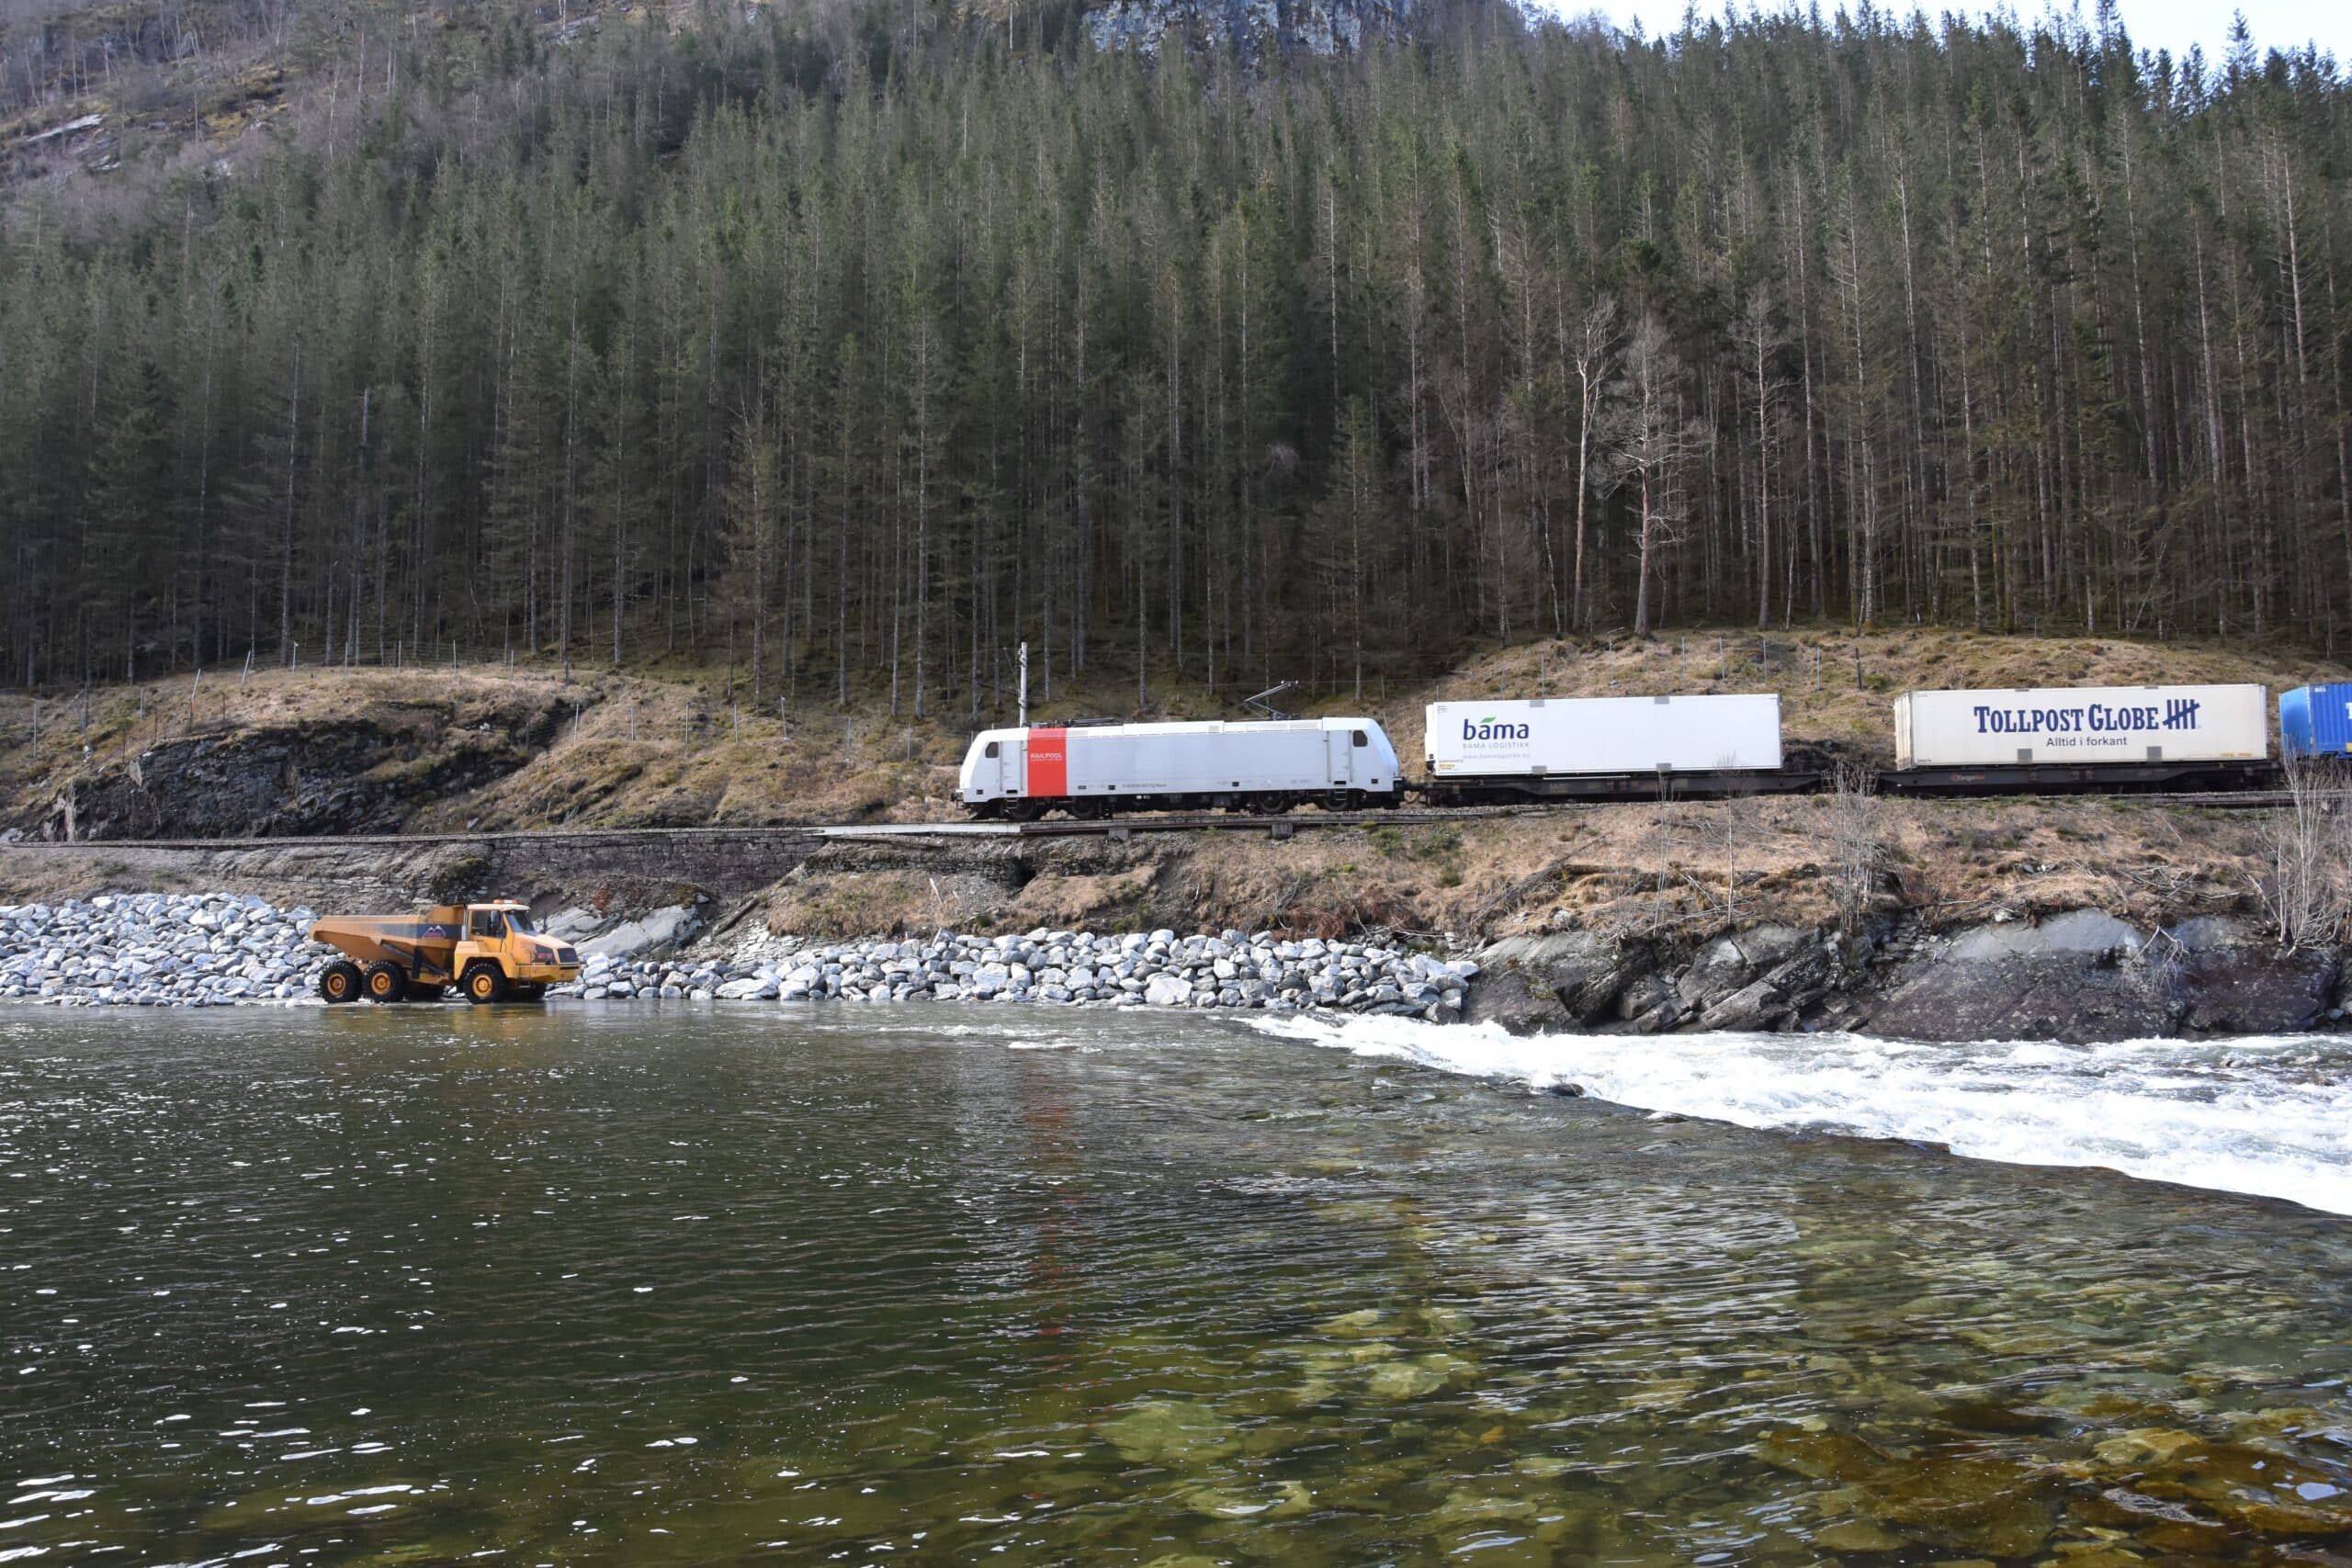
(485,983)
(387,981)
(340,982)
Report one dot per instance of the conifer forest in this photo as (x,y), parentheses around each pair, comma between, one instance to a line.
(847,346)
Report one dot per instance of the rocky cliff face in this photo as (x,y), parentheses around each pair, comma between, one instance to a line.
(361,772)
(1259,29)
(2080,977)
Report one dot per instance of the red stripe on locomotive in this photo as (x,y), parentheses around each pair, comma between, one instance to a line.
(1048,762)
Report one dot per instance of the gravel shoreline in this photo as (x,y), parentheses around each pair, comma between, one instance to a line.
(177,950)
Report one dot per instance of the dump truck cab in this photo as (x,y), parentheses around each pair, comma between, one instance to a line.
(489,950)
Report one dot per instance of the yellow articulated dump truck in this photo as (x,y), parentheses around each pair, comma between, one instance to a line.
(487,950)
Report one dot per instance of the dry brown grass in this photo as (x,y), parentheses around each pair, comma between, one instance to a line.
(682,748)
(1683,872)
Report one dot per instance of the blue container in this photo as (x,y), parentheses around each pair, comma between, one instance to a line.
(2316,721)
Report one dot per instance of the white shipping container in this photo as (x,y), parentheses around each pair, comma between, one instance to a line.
(2082,724)
(1604,735)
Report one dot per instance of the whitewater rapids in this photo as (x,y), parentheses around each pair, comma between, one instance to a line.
(2269,1116)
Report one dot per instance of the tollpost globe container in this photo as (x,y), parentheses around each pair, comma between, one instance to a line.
(2081,724)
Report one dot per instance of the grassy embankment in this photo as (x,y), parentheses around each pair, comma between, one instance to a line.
(668,747)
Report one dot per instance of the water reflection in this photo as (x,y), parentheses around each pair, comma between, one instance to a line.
(400,1285)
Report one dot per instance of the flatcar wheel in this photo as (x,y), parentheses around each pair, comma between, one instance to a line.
(340,982)
(387,982)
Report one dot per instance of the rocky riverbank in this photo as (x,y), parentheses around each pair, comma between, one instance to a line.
(162,950)
(1154,969)
(2076,975)
(158,949)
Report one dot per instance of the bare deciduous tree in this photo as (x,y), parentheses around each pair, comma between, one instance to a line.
(1593,354)
(1856,848)
(2305,883)
(1650,438)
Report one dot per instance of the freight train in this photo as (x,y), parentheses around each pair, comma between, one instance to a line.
(2080,739)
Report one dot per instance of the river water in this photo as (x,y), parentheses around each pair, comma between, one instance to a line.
(702,1285)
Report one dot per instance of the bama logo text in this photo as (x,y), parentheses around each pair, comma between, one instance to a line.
(1491,730)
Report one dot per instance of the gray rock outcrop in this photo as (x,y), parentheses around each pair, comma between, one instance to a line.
(2083,975)
(2078,976)
(1257,30)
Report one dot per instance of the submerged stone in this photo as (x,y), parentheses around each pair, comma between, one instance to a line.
(1163,1430)
(2148,1445)
(1235,1503)
(1858,1535)
(1821,1456)
(1405,1380)
(1990,1506)
(1992,1416)
(1467,1505)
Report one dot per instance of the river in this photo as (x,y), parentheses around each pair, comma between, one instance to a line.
(698,1284)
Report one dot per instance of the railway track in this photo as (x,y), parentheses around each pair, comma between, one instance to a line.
(713,834)
(716,836)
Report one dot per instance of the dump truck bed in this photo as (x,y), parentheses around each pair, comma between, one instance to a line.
(424,943)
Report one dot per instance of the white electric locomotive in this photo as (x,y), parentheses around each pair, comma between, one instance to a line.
(1096,770)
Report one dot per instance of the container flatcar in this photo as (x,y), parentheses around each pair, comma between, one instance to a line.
(1099,770)
(2316,721)
(2056,739)
(1598,747)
